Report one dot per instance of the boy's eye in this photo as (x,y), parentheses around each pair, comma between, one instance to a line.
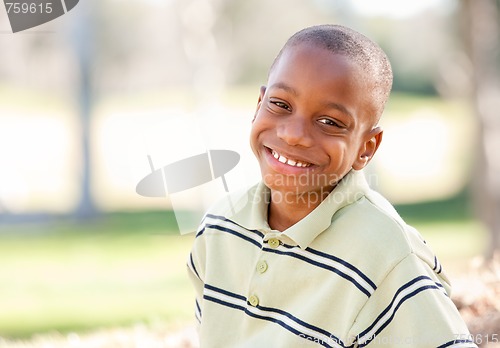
(281,105)
(330,122)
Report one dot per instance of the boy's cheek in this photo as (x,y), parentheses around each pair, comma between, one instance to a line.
(253,140)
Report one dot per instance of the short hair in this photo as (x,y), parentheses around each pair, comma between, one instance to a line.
(354,45)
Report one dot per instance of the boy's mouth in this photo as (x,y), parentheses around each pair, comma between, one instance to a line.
(289,161)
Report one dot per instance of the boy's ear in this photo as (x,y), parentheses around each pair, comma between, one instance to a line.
(368,149)
(259,102)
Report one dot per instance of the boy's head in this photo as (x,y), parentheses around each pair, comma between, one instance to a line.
(358,49)
(317,117)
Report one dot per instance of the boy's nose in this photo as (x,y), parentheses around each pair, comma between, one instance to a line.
(294,131)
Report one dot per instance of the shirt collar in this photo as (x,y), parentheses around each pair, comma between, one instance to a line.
(250,210)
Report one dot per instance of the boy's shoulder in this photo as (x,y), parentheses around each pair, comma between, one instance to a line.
(372,235)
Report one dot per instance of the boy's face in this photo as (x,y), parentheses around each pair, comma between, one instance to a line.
(313,121)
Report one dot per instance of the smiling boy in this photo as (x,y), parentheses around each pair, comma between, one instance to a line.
(311,255)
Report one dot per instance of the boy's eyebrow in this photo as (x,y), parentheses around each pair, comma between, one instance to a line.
(285,87)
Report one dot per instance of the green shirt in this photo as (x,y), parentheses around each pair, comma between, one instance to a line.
(349,274)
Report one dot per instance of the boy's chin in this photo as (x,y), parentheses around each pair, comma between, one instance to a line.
(299,184)
(297,194)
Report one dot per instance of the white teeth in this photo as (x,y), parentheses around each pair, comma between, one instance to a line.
(290,162)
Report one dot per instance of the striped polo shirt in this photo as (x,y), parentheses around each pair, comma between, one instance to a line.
(349,274)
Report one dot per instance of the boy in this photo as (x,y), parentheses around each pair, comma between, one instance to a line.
(311,256)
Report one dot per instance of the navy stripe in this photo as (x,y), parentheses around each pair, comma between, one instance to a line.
(224,303)
(198,307)
(441,287)
(218,217)
(345,263)
(301,257)
(426,287)
(277,321)
(233,232)
(410,283)
(275,310)
(322,265)
(192,265)
(436,264)
(225,292)
(225,229)
(339,260)
(200,232)
(197,312)
(197,317)
(312,251)
(291,329)
(447,344)
(303,323)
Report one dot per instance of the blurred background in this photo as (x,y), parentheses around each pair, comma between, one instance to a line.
(85,99)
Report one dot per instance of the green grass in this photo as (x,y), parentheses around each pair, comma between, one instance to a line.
(118,270)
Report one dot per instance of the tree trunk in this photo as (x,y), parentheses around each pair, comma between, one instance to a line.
(481,27)
(82,41)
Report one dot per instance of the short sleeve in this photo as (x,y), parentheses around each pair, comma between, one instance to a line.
(410,308)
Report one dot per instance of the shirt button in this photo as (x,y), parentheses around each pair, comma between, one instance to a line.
(261,266)
(253,300)
(273,243)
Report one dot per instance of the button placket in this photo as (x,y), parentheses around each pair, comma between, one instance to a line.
(260,268)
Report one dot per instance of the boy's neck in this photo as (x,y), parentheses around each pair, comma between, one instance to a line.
(283,214)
